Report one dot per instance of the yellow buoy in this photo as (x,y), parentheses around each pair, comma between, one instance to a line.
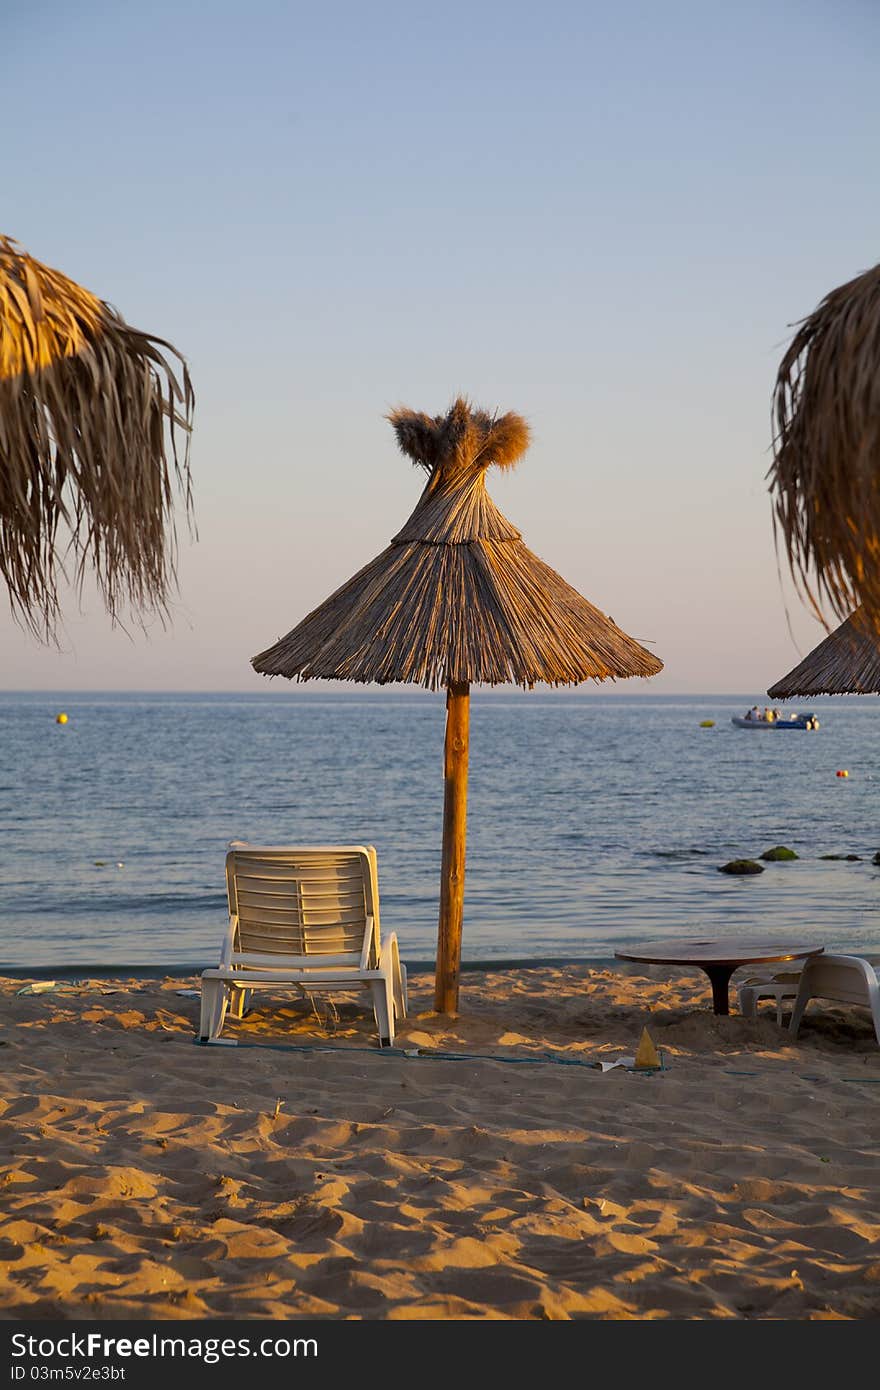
(61,718)
(707,723)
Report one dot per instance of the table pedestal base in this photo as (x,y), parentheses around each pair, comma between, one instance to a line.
(719,976)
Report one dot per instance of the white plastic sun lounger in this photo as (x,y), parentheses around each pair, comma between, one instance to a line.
(846,979)
(781,987)
(303,918)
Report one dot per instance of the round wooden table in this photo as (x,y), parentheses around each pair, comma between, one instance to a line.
(718,958)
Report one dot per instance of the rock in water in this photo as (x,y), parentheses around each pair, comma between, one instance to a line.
(741,866)
(779,852)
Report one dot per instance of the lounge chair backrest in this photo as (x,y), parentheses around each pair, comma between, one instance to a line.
(848,979)
(293,903)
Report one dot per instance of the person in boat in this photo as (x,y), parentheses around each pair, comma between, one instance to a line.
(754,713)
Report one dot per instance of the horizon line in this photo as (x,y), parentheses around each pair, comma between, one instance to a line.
(329,689)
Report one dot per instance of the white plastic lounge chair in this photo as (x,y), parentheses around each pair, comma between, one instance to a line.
(303,918)
(847,979)
(783,985)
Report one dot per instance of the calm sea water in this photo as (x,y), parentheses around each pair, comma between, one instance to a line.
(593,820)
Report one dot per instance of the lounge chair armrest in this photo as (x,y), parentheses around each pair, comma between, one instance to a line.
(368,950)
(229,940)
(394,975)
(389,956)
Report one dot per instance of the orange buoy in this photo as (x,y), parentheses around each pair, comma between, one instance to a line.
(842,772)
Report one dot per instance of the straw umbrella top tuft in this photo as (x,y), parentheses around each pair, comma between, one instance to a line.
(845,663)
(90,412)
(825,476)
(457,597)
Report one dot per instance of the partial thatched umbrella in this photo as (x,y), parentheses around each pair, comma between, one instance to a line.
(84,404)
(825,475)
(845,663)
(457,598)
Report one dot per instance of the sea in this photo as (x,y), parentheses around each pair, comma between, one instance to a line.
(595,822)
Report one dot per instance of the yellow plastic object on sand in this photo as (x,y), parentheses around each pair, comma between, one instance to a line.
(646,1053)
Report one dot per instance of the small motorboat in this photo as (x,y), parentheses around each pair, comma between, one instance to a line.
(774,719)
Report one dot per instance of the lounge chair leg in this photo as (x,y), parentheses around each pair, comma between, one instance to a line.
(401,997)
(239,1001)
(797,1014)
(383,1008)
(213,1010)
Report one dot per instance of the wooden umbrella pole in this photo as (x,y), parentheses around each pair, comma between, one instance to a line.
(455,773)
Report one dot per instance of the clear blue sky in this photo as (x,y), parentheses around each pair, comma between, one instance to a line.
(605,217)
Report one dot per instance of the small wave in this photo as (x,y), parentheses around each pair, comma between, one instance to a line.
(672,853)
(105,904)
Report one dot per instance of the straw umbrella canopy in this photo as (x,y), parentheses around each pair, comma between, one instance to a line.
(845,663)
(457,598)
(825,476)
(90,415)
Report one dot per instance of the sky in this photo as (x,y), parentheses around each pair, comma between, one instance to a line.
(607,218)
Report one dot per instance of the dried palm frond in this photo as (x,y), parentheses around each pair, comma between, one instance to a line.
(825,475)
(90,415)
(460,436)
(457,597)
(845,663)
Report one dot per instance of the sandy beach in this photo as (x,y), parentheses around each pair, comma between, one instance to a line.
(486,1168)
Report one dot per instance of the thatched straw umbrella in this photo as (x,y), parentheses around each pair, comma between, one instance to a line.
(84,404)
(825,475)
(455,599)
(845,663)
